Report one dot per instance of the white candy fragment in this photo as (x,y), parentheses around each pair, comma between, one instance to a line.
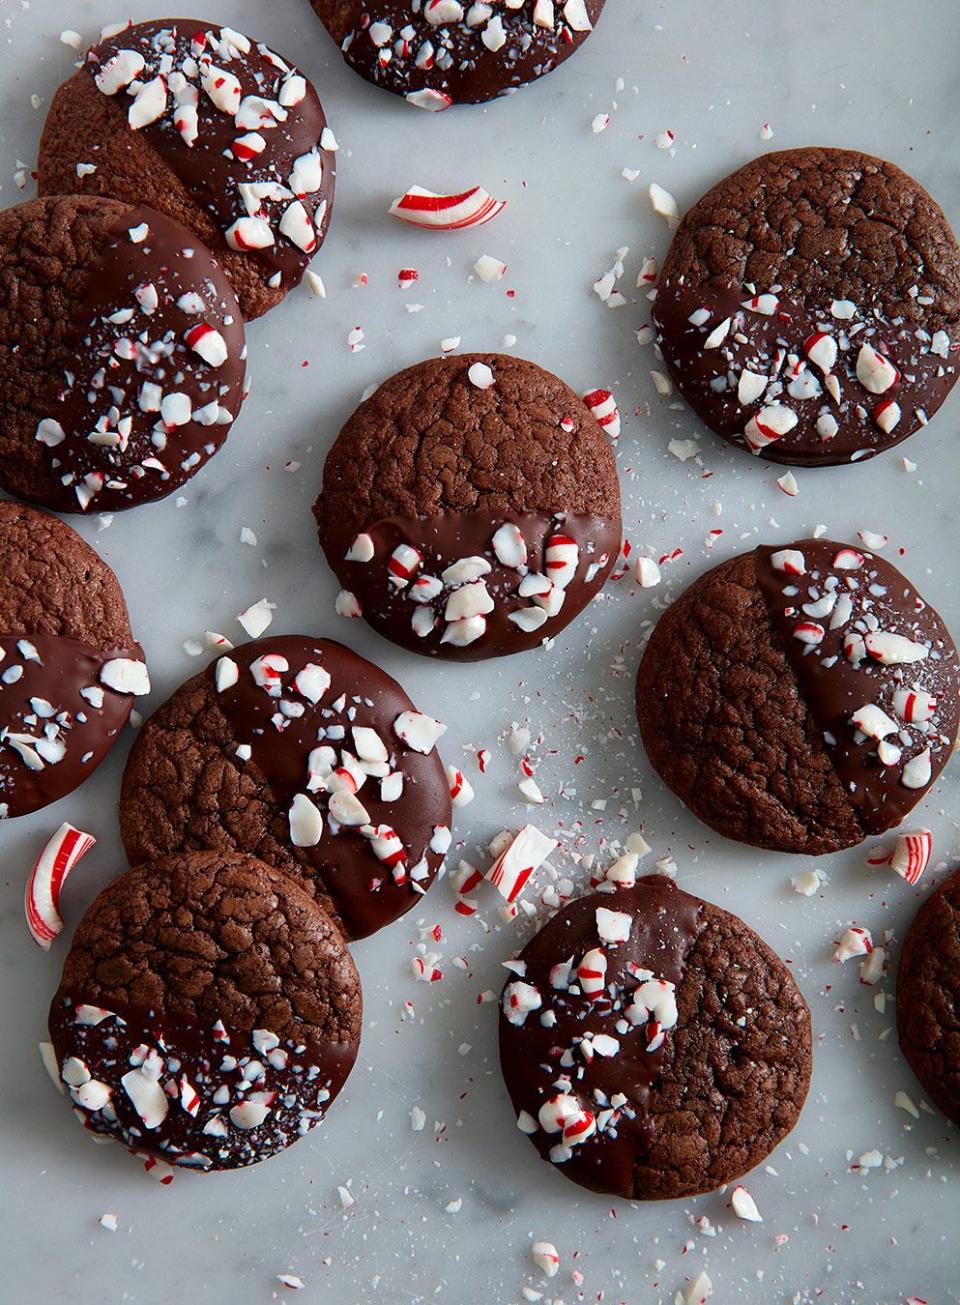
(418,731)
(125,675)
(744,1206)
(664,204)
(306,822)
(519,999)
(613,926)
(544,1254)
(875,372)
(257,618)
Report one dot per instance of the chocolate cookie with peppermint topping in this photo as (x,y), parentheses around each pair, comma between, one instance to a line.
(928,996)
(440,52)
(208,1013)
(800,698)
(809,307)
(652,1044)
(302,753)
(122,354)
(209,127)
(470,507)
(69,666)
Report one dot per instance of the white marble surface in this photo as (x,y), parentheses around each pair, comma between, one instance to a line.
(880,76)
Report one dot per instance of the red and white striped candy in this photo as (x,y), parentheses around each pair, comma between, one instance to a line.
(402,564)
(605,412)
(248,146)
(769,425)
(854,941)
(790,561)
(249,233)
(298,228)
(519,999)
(875,372)
(874,722)
(268,671)
(848,559)
(913,705)
(312,682)
(222,88)
(119,71)
(821,349)
(911,854)
(387,846)
(41,900)
(545,1257)
(347,604)
(809,632)
(429,99)
(425,208)
(893,649)
(592,974)
(613,926)
(523,855)
(461,790)
(418,731)
(510,546)
(887,414)
(766,305)
(208,343)
(561,559)
(555,1112)
(580,1127)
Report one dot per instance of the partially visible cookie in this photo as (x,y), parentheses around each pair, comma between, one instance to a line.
(69,664)
(443,52)
(809,307)
(122,354)
(800,698)
(302,753)
(209,127)
(928,997)
(470,507)
(208,1013)
(652,1044)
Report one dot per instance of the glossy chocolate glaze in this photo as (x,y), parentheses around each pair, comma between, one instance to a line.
(772,345)
(444,539)
(139,454)
(48,672)
(205,1072)
(665,925)
(834,687)
(366,893)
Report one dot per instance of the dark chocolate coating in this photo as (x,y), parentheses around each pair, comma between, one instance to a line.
(813,226)
(225,984)
(396,46)
(186,788)
(68,372)
(432,461)
(724,1087)
(197,184)
(750,725)
(928,997)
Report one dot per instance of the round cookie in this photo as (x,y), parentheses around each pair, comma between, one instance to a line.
(470,507)
(122,355)
(800,698)
(928,997)
(69,665)
(445,52)
(227,139)
(208,1013)
(809,307)
(302,753)
(652,1044)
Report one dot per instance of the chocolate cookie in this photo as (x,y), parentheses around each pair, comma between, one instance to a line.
(443,52)
(69,666)
(302,753)
(653,1046)
(208,1013)
(800,698)
(928,997)
(227,138)
(122,355)
(470,507)
(809,307)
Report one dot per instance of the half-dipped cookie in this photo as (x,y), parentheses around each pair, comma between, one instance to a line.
(302,753)
(209,127)
(809,307)
(122,355)
(470,507)
(800,698)
(208,1013)
(69,665)
(442,52)
(652,1044)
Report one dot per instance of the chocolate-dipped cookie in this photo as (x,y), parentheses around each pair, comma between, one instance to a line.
(809,307)
(443,52)
(209,127)
(69,665)
(928,997)
(122,355)
(652,1044)
(470,507)
(208,1013)
(800,698)
(309,757)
